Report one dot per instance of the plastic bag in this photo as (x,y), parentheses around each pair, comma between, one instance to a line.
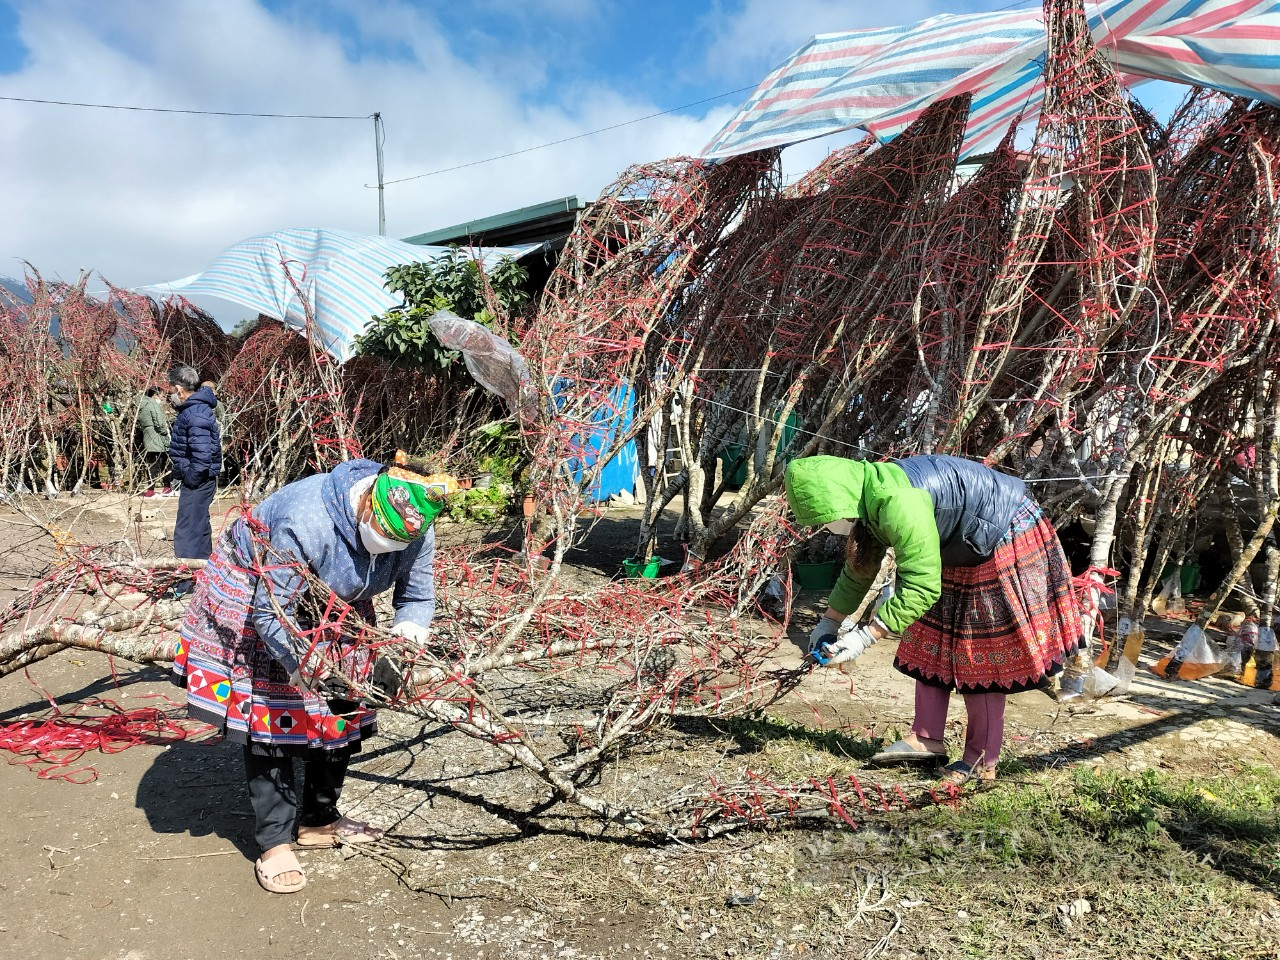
(1130,636)
(1071,683)
(1123,677)
(1239,650)
(1263,660)
(1099,683)
(1266,641)
(492,361)
(1194,655)
(1169,601)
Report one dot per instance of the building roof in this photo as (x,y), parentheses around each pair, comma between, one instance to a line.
(538,223)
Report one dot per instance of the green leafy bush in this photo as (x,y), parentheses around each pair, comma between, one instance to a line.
(483,504)
(452,281)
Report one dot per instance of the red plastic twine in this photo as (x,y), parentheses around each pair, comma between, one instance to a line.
(51,746)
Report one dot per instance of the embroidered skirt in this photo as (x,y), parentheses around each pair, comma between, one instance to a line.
(235,685)
(1004,626)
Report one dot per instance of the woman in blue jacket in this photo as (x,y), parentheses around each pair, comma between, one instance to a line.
(362,529)
(195,450)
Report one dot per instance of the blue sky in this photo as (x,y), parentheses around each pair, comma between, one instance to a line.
(149,197)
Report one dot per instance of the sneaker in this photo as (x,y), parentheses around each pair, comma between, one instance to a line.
(149,492)
(167,492)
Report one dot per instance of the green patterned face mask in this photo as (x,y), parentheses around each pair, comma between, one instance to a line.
(406,503)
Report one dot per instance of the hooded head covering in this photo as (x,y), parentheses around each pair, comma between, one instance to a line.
(822,490)
(406,502)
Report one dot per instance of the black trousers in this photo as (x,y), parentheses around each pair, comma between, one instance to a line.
(274,797)
(193,533)
(157,467)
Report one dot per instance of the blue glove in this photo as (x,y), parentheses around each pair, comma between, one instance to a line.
(825,632)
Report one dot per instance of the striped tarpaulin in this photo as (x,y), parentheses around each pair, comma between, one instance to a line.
(1241,57)
(1158,29)
(771,116)
(840,81)
(1230,45)
(339,273)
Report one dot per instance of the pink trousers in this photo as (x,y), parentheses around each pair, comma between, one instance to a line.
(984,734)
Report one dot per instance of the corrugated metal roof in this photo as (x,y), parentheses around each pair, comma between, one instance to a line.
(532,224)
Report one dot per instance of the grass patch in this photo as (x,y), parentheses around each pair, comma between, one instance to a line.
(1231,823)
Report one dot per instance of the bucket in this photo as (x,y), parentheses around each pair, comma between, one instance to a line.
(1190,577)
(645,569)
(817,576)
(734,458)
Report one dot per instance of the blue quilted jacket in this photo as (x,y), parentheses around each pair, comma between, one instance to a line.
(195,443)
(313,521)
(972,504)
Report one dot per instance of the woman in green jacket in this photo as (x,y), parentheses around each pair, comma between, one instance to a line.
(982,598)
(151,430)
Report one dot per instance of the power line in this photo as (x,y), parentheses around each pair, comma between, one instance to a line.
(208,113)
(589,133)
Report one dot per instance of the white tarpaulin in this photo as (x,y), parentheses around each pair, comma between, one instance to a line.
(339,273)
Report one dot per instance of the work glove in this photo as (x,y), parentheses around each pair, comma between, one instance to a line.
(415,633)
(845,646)
(824,632)
(387,678)
(384,677)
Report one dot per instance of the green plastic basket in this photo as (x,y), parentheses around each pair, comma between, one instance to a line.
(634,569)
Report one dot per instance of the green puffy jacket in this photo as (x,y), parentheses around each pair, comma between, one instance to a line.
(822,490)
(150,425)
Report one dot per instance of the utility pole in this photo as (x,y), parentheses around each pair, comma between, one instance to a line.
(378,137)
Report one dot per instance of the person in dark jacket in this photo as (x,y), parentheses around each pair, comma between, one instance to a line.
(195,450)
(360,530)
(983,595)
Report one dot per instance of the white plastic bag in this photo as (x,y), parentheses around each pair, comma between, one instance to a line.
(1099,683)
(1266,642)
(1195,655)
(1169,600)
(1240,646)
(1123,677)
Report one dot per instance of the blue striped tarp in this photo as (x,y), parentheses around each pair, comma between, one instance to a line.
(339,273)
(882,80)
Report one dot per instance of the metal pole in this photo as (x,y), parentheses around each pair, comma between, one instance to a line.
(382,207)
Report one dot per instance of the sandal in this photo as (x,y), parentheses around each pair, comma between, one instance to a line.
(903,752)
(343,830)
(960,772)
(269,871)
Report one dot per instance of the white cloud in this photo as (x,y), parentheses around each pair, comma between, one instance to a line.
(143,197)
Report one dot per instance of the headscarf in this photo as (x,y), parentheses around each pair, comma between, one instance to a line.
(406,502)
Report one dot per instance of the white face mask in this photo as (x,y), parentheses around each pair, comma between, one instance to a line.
(841,528)
(175,398)
(375,542)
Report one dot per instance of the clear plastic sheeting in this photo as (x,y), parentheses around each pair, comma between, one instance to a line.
(492,361)
(1194,657)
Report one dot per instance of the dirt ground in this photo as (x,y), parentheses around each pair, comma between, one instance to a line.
(153,857)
